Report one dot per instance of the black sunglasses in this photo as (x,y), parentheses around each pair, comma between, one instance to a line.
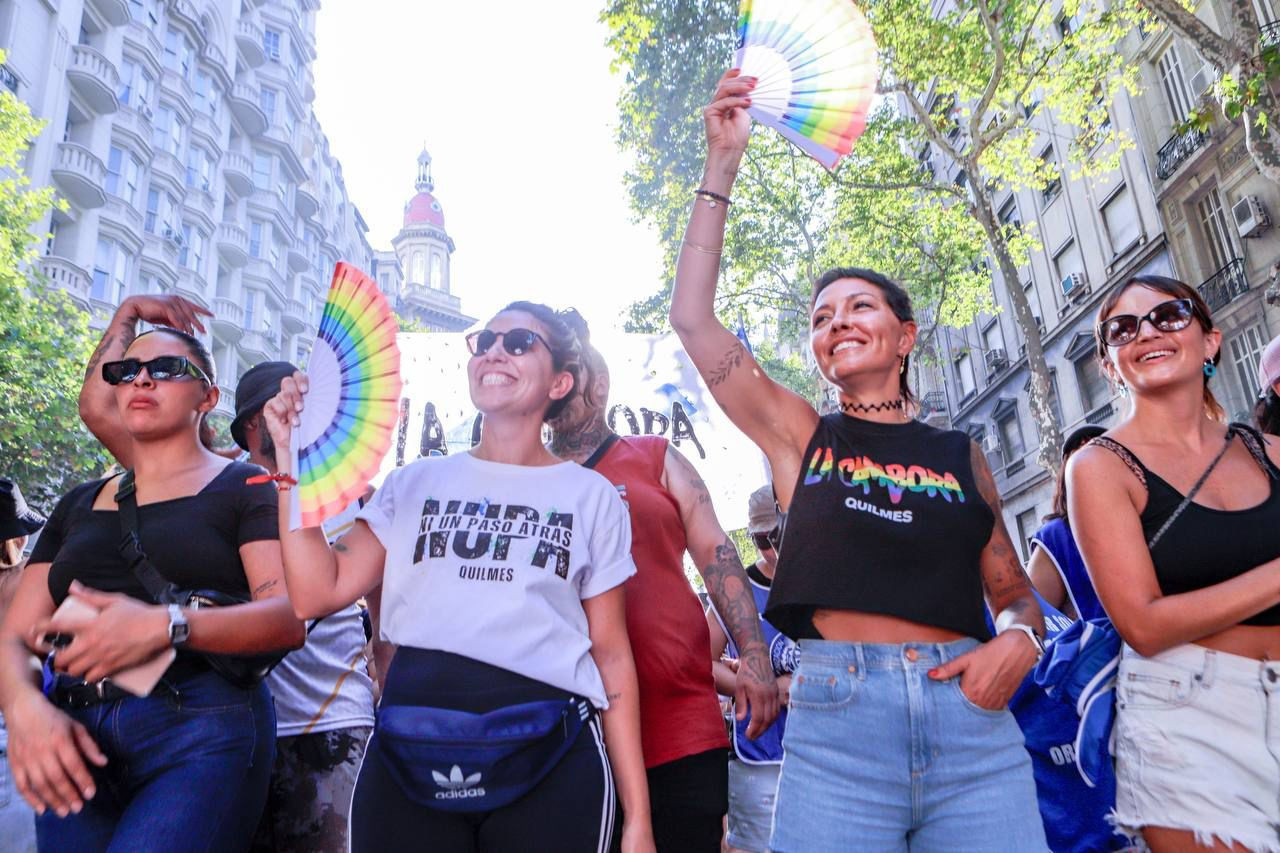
(765,541)
(1172,316)
(514,341)
(163,368)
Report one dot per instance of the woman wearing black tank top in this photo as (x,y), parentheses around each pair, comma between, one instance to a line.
(899,736)
(1176,515)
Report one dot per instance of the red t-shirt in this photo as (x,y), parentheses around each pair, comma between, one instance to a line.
(679,711)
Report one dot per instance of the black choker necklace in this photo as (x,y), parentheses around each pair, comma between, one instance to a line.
(886,406)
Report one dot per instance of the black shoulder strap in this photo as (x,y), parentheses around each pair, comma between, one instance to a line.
(594,459)
(1186,501)
(1257,446)
(156,586)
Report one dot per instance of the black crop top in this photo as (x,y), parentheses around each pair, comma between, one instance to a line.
(1206,546)
(886,518)
(194,541)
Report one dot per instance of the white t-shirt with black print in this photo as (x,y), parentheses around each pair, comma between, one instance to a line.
(492,561)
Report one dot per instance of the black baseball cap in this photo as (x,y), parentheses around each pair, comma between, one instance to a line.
(258,385)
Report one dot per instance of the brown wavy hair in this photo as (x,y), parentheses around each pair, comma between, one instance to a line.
(1178,290)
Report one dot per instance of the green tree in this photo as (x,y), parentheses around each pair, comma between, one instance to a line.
(970,81)
(44,341)
(1246,65)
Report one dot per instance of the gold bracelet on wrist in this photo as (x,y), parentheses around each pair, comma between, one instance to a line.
(706,250)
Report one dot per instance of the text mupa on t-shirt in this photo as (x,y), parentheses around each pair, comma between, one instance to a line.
(478,528)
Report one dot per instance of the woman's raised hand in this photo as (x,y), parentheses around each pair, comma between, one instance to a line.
(281,411)
(728,125)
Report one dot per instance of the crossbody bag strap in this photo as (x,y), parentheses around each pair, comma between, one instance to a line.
(594,459)
(161,590)
(1186,501)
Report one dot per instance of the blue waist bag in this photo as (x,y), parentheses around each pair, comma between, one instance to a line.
(463,762)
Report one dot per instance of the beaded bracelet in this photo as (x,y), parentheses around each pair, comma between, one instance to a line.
(713,197)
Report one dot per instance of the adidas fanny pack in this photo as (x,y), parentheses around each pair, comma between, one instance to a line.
(464,762)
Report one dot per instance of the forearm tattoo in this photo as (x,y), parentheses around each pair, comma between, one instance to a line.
(729,362)
(127,332)
(1005,581)
(727,587)
(264,588)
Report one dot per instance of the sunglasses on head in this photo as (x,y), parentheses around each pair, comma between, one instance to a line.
(514,341)
(765,541)
(165,368)
(1172,316)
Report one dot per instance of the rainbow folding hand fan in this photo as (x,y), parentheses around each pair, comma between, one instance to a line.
(815,64)
(351,408)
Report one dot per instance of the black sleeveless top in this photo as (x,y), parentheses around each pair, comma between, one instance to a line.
(1206,546)
(886,518)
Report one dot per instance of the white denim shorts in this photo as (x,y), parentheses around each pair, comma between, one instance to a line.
(1197,742)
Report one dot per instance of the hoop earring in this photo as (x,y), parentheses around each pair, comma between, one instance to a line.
(1124,390)
(1210,370)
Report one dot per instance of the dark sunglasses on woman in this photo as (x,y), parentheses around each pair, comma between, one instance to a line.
(165,368)
(1172,316)
(514,341)
(765,541)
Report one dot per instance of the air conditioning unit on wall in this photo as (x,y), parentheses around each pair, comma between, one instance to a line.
(996,359)
(991,443)
(1074,286)
(1250,216)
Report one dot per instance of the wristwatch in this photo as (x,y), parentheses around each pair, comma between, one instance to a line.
(1036,639)
(179,628)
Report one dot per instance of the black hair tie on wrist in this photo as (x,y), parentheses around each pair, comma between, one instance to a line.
(713,197)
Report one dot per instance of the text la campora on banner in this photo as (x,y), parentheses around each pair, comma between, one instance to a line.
(655,391)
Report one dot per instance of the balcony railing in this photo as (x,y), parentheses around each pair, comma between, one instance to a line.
(1101,415)
(1270,34)
(1176,151)
(1225,285)
(934,402)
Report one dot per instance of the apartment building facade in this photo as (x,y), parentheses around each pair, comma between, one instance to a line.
(1188,204)
(181,136)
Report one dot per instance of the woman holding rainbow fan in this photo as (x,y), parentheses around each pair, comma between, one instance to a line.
(899,735)
(501,572)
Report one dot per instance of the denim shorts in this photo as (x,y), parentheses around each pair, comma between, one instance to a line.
(752,791)
(878,756)
(1197,742)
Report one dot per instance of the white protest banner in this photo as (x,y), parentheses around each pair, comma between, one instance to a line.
(655,391)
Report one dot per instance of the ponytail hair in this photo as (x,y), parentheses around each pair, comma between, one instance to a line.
(1177,290)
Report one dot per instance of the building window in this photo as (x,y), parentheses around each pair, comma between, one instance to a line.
(295,61)
(251,310)
(110,272)
(965,376)
(136,85)
(145,12)
(993,342)
(191,255)
(271,44)
(1009,214)
(262,171)
(1012,447)
(1067,261)
(1218,234)
(1053,187)
(437,271)
(207,95)
(418,274)
(1120,218)
(177,53)
(1026,522)
(384,283)
(122,174)
(199,169)
(256,230)
(267,100)
(1176,93)
(1244,351)
(1095,388)
(160,210)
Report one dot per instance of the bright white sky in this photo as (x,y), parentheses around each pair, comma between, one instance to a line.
(516,104)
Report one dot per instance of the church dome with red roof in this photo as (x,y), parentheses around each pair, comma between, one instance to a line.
(423,209)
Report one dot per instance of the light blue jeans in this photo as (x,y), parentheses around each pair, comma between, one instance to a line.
(880,757)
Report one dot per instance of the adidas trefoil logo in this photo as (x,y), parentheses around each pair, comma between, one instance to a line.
(456,786)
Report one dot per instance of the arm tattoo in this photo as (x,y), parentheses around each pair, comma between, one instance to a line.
(98,353)
(340,548)
(265,587)
(614,697)
(727,587)
(729,362)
